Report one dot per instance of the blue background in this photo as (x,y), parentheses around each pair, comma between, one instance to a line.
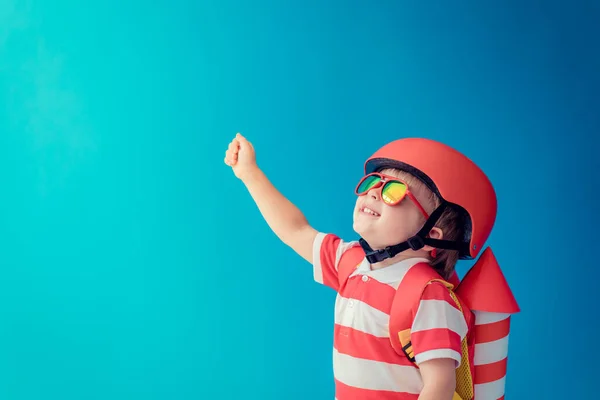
(134,265)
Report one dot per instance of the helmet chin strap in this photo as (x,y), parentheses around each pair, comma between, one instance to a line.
(416,242)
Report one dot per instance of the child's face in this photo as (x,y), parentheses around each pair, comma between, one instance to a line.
(391,224)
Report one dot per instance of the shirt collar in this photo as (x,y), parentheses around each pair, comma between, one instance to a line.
(390,274)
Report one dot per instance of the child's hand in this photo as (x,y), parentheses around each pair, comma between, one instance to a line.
(240,157)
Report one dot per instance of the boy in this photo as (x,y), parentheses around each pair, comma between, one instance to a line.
(402,220)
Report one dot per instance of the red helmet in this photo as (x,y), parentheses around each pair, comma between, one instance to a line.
(449,174)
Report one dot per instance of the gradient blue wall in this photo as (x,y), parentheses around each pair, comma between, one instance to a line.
(133,265)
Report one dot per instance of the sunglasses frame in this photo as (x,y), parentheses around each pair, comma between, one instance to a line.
(385,180)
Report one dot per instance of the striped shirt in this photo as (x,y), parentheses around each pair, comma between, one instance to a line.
(365,365)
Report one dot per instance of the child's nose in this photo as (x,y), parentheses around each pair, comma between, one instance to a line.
(374,193)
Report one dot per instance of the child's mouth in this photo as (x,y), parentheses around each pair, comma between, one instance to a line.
(368,211)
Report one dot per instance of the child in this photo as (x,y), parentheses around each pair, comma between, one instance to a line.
(419,202)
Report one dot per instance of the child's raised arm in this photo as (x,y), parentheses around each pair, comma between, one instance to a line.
(283,217)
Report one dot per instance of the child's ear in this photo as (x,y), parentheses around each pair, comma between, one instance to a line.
(434,233)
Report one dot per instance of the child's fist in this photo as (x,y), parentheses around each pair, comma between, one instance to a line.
(240,156)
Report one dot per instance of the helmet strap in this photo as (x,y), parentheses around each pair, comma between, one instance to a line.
(416,242)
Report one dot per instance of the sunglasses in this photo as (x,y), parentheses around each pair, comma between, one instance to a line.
(391,190)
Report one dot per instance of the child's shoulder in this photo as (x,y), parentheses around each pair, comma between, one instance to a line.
(436,290)
(338,241)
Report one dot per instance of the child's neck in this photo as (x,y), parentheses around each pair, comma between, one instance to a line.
(390,261)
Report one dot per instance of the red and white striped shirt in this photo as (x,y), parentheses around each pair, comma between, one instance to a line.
(365,365)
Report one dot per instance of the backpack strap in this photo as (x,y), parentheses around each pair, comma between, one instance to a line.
(405,305)
(349,261)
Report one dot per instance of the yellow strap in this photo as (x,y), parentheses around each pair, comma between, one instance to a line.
(456,397)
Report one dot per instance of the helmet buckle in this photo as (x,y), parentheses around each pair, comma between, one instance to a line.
(416,243)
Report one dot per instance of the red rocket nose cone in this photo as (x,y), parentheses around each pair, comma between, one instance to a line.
(484,287)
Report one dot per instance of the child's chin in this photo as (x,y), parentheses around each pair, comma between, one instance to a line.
(360,227)
(357,230)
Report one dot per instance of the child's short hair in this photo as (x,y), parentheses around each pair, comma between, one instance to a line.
(453,221)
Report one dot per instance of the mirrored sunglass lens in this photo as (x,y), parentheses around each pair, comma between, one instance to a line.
(368,184)
(393,192)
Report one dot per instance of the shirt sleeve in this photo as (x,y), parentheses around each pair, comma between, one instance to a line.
(327,251)
(438,327)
